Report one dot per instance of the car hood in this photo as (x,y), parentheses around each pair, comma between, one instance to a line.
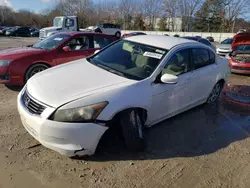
(224,46)
(64,83)
(241,39)
(49,29)
(18,52)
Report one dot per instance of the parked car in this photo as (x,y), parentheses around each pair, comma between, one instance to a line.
(224,47)
(239,58)
(210,39)
(109,29)
(134,83)
(1,30)
(34,32)
(202,40)
(176,35)
(132,34)
(19,32)
(4,30)
(17,65)
(242,31)
(236,98)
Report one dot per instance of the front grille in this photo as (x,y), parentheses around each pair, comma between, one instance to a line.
(225,49)
(240,68)
(4,77)
(32,106)
(222,52)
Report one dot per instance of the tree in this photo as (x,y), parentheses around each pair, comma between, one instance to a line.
(209,17)
(139,23)
(234,9)
(162,25)
(151,10)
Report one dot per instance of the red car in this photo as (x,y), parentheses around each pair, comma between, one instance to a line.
(236,98)
(239,58)
(17,65)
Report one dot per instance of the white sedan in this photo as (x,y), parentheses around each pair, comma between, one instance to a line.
(135,82)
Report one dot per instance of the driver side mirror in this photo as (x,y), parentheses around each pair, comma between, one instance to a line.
(66,49)
(169,79)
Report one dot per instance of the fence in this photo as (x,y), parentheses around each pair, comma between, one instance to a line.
(218,37)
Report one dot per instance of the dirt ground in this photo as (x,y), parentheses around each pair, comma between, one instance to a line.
(207,147)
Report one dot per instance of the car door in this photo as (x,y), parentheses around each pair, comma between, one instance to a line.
(204,74)
(170,99)
(104,29)
(80,47)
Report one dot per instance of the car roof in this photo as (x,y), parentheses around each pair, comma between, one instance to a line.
(160,41)
(191,38)
(82,32)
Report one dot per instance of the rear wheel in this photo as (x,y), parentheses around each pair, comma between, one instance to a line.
(215,94)
(35,69)
(98,30)
(118,34)
(132,127)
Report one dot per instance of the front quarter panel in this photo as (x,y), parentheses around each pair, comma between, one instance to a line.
(137,95)
(18,67)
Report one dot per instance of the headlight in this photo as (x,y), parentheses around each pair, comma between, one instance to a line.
(81,114)
(4,63)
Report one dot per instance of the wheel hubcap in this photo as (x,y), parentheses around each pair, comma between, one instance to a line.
(36,70)
(215,93)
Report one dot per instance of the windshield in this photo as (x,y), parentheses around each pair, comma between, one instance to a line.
(129,59)
(51,42)
(58,22)
(227,41)
(243,48)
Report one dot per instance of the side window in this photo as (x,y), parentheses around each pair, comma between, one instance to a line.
(200,57)
(69,22)
(178,64)
(100,41)
(211,57)
(79,43)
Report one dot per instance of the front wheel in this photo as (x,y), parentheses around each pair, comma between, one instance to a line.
(35,69)
(132,128)
(215,94)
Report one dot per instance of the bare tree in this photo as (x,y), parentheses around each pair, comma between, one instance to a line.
(187,10)
(171,10)
(234,9)
(152,11)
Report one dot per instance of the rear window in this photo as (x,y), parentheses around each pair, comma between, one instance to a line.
(243,48)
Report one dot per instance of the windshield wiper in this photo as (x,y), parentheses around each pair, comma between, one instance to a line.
(111,70)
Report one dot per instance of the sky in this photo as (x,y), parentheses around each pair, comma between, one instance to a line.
(33,5)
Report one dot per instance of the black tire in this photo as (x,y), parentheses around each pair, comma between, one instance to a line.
(118,34)
(132,128)
(215,93)
(34,69)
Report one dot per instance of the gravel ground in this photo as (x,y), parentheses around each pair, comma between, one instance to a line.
(207,147)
